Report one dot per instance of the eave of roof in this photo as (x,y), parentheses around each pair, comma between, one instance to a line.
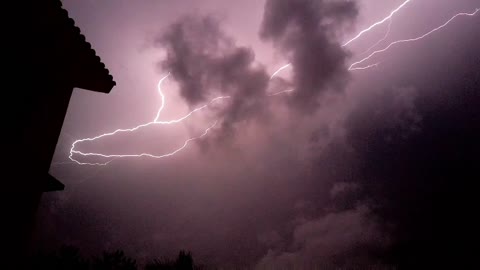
(88,71)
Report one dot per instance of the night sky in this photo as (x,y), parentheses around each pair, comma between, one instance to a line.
(365,167)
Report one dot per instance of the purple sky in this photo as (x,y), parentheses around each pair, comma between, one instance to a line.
(332,174)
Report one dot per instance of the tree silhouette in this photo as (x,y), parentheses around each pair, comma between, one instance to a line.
(114,261)
(163,264)
(184,261)
(69,258)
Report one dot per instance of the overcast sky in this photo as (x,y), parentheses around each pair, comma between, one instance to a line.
(353,167)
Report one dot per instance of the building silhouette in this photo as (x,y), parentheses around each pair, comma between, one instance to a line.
(58,59)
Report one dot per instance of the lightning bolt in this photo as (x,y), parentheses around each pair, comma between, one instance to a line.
(281,92)
(366,67)
(280,70)
(352,66)
(156,121)
(141,154)
(376,23)
(388,18)
(381,40)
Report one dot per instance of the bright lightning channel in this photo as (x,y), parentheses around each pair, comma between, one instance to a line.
(377,23)
(381,40)
(280,70)
(156,121)
(281,92)
(366,67)
(389,17)
(352,66)
(145,154)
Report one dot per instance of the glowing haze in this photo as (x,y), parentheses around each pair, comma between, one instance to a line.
(271,134)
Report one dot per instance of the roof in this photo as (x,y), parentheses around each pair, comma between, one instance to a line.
(60,58)
(67,46)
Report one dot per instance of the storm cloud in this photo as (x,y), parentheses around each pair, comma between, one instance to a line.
(206,63)
(306,33)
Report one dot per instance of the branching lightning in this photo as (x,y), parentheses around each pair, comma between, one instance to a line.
(156,121)
(353,67)
(381,40)
(388,18)
(141,154)
(377,23)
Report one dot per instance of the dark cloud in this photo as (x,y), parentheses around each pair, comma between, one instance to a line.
(305,30)
(206,63)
